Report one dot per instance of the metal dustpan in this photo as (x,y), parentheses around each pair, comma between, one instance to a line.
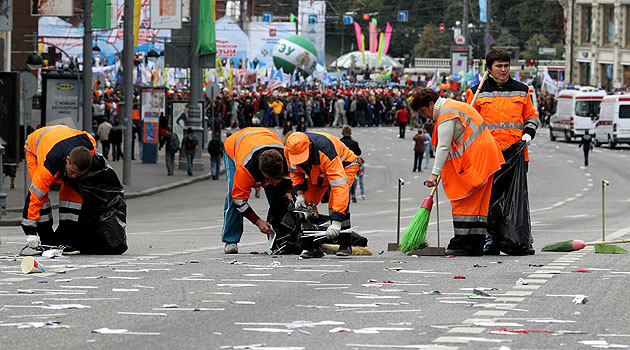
(607,248)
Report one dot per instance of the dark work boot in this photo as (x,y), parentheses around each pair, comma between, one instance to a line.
(345,244)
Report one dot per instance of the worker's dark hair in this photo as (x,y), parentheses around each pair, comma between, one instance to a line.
(346,130)
(497,55)
(421,98)
(81,157)
(271,164)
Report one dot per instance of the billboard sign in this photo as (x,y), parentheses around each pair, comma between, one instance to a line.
(166,14)
(61,101)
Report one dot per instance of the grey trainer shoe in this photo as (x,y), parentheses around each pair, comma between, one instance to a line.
(231,248)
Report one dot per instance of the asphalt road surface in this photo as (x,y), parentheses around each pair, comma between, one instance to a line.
(175,289)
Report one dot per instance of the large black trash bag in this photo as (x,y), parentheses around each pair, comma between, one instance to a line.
(289,226)
(508,216)
(102,222)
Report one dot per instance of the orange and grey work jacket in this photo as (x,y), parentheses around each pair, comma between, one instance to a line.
(46,151)
(471,161)
(507,110)
(331,163)
(244,148)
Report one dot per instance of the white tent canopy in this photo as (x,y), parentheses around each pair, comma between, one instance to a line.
(355,59)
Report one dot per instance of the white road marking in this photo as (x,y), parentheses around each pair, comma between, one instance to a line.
(468,330)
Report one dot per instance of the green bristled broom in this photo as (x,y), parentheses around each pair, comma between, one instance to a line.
(415,235)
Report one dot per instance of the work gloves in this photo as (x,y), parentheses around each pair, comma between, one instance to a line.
(333,230)
(32,241)
(300,201)
(527,138)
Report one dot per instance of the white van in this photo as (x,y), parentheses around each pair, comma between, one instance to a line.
(577,111)
(613,126)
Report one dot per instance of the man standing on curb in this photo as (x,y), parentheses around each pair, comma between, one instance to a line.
(507,110)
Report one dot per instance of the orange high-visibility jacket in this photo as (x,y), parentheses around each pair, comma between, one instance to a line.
(507,110)
(46,151)
(472,161)
(329,160)
(244,148)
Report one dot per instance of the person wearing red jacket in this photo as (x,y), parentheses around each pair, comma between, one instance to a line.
(402,118)
(253,158)
(318,161)
(54,154)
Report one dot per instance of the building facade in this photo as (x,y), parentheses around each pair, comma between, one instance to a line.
(598,42)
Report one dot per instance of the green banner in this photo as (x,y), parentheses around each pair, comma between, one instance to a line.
(207,43)
(102,14)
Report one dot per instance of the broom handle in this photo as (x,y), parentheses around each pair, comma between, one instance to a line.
(608,242)
(483,80)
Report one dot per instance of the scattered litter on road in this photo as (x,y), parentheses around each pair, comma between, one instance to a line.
(49,324)
(125,290)
(236,262)
(142,313)
(109,331)
(186,309)
(121,331)
(477,265)
(602,344)
(339,330)
(582,270)
(459,277)
(432,292)
(243,302)
(269,330)
(521,282)
(52,253)
(549,321)
(393,268)
(536,265)
(613,335)
(479,294)
(261,347)
(580,299)
(497,324)
(511,332)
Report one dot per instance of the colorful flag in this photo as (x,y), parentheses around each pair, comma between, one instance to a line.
(207,43)
(433,79)
(357,31)
(381,45)
(102,14)
(388,35)
(291,18)
(137,7)
(552,86)
(483,11)
(374,38)
(517,75)
(363,46)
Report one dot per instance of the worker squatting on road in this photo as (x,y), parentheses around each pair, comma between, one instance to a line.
(54,154)
(317,161)
(253,158)
(466,158)
(505,106)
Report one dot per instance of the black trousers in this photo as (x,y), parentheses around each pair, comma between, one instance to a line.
(417,161)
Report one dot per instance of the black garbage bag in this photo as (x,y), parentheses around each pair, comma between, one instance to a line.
(103,217)
(508,215)
(289,227)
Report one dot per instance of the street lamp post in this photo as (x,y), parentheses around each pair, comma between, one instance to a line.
(194,112)
(87,65)
(3,195)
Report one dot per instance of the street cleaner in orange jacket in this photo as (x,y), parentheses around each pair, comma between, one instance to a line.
(54,154)
(506,107)
(317,161)
(253,158)
(466,158)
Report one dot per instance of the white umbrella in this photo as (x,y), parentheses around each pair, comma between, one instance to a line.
(355,59)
